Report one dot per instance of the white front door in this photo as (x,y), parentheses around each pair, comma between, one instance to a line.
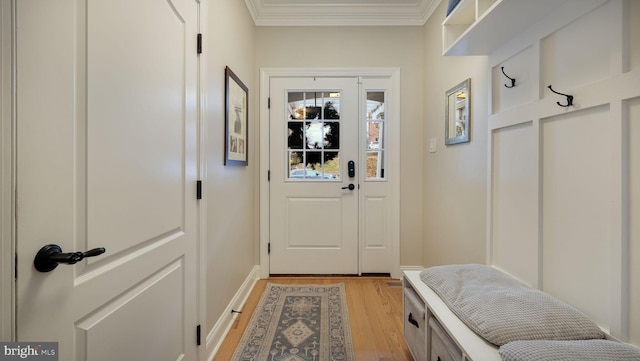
(313,210)
(107,157)
(317,223)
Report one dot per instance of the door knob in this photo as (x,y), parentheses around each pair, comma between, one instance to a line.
(49,256)
(350,187)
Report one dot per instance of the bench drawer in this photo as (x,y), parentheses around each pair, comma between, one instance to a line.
(414,324)
(441,347)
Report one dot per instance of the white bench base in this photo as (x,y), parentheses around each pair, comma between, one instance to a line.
(439,334)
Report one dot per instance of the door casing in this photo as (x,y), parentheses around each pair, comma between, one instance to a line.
(7,162)
(393,138)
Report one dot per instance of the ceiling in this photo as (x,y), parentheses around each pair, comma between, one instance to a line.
(341,12)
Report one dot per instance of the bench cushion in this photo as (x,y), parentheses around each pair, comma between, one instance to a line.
(502,309)
(583,350)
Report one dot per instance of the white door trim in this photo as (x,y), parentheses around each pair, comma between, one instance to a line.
(393,137)
(7,166)
(204,353)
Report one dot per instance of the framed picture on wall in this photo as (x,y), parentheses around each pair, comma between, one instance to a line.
(457,124)
(236,120)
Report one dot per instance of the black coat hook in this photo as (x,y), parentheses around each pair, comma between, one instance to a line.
(513,81)
(569,98)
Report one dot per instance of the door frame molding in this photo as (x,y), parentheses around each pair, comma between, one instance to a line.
(7,171)
(393,137)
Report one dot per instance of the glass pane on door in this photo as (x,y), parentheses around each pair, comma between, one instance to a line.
(313,135)
(375,127)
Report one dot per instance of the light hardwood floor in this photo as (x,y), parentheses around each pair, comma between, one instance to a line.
(375,316)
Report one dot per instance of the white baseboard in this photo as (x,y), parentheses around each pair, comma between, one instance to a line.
(411,268)
(218,333)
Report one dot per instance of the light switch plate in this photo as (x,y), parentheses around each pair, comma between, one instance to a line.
(432,145)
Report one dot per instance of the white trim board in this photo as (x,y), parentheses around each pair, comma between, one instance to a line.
(7,174)
(312,13)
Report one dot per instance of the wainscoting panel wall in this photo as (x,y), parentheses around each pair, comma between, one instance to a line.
(521,68)
(515,200)
(568,62)
(577,193)
(564,208)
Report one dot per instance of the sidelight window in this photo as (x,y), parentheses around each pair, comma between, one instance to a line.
(375,141)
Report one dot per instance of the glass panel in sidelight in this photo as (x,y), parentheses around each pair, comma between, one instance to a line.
(375,166)
(375,126)
(375,105)
(375,130)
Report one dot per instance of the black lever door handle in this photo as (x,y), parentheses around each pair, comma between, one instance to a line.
(49,256)
(413,320)
(350,187)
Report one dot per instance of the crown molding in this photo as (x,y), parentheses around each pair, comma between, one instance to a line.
(345,14)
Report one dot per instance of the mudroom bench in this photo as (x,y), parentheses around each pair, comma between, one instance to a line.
(433,332)
(478,313)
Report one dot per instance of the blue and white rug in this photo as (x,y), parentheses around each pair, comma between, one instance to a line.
(298,323)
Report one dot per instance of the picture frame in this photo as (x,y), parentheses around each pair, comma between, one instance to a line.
(457,123)
(236,120)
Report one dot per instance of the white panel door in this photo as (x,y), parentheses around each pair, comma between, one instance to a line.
(313,213)
(107,157)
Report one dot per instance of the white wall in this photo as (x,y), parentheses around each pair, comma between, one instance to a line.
(230,194)
(280,47)
(455,176)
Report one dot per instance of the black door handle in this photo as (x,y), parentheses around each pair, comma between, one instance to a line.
(413,320)
(350,187)
(51,255)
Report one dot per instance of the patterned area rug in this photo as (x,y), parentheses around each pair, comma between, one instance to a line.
(298,323)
